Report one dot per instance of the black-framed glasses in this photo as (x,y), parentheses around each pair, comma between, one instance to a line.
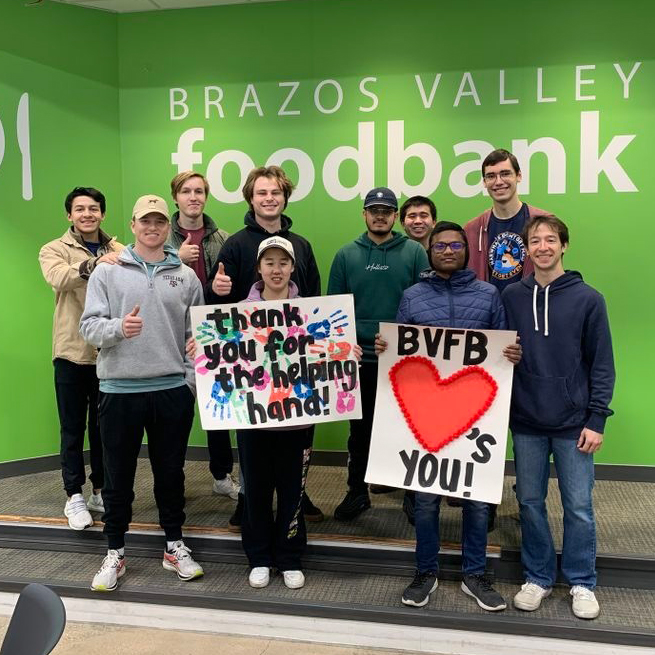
(440,246)
(504,175)
(385,212)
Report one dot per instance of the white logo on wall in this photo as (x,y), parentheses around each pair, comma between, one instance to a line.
(23,139)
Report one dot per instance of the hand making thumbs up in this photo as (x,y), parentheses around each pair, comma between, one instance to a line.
(132,324)
(187,252)
(222,283)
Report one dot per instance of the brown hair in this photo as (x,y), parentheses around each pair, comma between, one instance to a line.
(555,224)
(496,156)
(178,182)
(272,172)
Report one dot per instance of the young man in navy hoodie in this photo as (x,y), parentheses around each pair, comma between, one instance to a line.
(562,390)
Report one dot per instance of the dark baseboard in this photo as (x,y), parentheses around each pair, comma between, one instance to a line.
(616,472)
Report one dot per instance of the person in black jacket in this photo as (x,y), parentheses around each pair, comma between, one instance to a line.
(267,190)
(560,401)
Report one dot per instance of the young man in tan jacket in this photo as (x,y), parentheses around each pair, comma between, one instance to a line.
(66,264)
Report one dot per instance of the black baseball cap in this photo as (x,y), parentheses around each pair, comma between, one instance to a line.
(381,196)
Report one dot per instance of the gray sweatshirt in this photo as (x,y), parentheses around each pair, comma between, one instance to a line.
(164,298)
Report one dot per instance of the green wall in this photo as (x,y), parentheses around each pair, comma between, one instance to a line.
(65,58)
(139,58)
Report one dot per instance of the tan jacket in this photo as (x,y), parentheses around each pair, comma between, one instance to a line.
(66,264)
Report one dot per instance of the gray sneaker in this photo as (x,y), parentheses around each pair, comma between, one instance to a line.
(95,504)
(480,588)
(418,592)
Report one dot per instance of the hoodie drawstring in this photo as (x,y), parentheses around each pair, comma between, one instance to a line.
(534,309)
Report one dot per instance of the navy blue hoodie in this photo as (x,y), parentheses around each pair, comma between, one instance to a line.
(565,379)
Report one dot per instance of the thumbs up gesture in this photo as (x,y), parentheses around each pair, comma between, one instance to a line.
(187,252)
(132,324)
(222,283)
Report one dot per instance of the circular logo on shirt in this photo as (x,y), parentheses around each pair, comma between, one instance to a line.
(506,255)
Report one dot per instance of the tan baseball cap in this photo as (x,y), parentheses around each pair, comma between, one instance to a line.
(150,205)
(276,242)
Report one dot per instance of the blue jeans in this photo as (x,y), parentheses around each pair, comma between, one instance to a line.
(575,477)
(474,534)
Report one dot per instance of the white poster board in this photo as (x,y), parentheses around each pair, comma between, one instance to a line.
(442,411)
(276,363)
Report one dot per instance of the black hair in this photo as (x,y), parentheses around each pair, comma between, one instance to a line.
(89,191)
(496,156)
(443,226)
(417,201)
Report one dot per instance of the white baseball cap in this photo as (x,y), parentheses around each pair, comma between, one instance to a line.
(275,242)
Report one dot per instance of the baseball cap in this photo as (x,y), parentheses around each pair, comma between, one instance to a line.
(150,205)
(381,196)
(275,242)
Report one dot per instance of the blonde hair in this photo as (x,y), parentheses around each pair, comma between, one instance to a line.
(178,182)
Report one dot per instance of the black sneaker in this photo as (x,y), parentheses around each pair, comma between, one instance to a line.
(235,521)
(310,511)
(408,506)
(418,592)
(381,489)
(485,595)
(352,505)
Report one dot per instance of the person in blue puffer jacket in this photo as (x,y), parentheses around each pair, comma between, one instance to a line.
(449,295)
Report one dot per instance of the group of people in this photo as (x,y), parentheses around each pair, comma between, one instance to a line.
(122,317)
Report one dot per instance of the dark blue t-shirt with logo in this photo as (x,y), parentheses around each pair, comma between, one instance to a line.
(507,252)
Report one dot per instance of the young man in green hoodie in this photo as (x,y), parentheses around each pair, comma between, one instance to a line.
(376,268)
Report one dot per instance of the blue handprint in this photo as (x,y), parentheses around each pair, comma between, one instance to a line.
(221,401)
(321,329)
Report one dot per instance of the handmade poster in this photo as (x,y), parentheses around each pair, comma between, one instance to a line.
(276,363)
(442,411)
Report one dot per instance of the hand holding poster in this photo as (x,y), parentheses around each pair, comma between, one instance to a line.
(276,363)
(442,411)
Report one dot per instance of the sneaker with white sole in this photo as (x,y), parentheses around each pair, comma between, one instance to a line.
(530,596)
(95,503)
(112,568)
(585,605)
(179,559)
(259,577)
(77,513)
(226,487)
(294,579)
(418,592)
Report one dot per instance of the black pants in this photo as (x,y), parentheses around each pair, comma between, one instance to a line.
(274,460)
(76,388)
(221,459)
(167,417)
(359,441)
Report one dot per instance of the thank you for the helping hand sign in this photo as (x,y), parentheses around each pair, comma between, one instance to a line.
(442,411)
(276,363)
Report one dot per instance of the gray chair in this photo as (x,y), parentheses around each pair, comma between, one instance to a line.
(37,623)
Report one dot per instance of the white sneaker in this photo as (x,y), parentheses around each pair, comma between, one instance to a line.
(95,504)
(180,561)
(530,596)
(226,487)
(294,579)
(112,568)
(77,513)
(585,605)
(259,577)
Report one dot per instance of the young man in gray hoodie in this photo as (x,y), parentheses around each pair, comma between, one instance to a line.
(137,313)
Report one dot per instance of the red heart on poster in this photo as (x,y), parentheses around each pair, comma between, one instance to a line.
(438,411)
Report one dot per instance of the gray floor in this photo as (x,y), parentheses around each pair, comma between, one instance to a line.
(622,609)
(625,511)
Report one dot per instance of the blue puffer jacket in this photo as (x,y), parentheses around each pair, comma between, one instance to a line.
(459,302)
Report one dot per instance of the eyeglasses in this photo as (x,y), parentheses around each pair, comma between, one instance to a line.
(440,246)
(504,175)
(380,211)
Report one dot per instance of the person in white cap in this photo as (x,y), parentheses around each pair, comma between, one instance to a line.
(138,315)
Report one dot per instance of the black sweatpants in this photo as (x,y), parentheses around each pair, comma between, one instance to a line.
(221,460)
(76,389)
(359,441)
(166,416)
(274,460)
